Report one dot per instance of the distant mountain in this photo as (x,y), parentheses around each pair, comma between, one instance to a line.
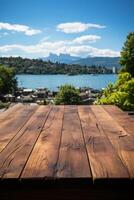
(89,61)
(99,61)
(62,58)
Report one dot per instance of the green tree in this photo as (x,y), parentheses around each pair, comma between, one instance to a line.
(68,95)
(8,81)
(122,92)
(1,84)
(127,55)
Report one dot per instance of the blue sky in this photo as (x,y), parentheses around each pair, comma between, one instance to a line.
(36,28)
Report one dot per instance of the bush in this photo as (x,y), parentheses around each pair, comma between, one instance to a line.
(121,93)
(68,95)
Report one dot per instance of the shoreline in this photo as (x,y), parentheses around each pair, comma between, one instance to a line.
(94,74)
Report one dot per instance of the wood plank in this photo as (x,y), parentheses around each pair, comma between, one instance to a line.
(13,121)
(44,156)
(125,120)
(72,162)
(13,158)
(125,148)
(109,124)
(9,112)
(104,160)
(89,123)
(125,144)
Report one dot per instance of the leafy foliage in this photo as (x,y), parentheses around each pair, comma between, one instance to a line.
(68,95)
(8,81)
(127,55)
(121,93)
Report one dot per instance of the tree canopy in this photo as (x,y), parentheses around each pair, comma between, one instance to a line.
(68,95)
(122,92)
(127,55)
(8,81)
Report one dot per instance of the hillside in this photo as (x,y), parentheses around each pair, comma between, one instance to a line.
(99,61)
(38,66)
(89,61)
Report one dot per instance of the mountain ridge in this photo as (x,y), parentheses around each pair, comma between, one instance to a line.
(61,58)
(88,61)
(99,61)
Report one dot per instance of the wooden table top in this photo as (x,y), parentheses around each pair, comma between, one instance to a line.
(55,142)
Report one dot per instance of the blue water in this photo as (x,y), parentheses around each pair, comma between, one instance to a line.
(53,81)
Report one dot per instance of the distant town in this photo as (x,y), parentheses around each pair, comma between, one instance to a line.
(43,96)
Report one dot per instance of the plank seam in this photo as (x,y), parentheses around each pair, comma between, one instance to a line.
(88,159)
(20,129)
(55,168)
(118,120)
(113,145)
(48,113)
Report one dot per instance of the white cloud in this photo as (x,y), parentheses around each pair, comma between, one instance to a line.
(76,27)
(19,28)
(86,39)
(57,47)
(86,50)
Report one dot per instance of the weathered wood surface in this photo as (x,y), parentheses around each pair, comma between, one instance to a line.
(43,159)
(12,121)
(122,118)
(72,160)
(15,155)
(104,159)
(63,142)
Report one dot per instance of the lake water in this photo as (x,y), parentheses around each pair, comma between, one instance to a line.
(53,81)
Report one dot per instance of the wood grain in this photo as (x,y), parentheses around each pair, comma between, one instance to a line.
(14,121)
(123,140)
(72,160)
(89,123)
(16,153)
(5,115)
(125,149)
(109,125)
(104,160)
(67,143)
(44,156)
(125,120)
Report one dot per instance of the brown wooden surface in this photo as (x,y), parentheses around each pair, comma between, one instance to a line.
(122,118)
(15,155)
(123,142)
(104,160)
(66,142)
(44,157)
(12,121)
(72,160)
